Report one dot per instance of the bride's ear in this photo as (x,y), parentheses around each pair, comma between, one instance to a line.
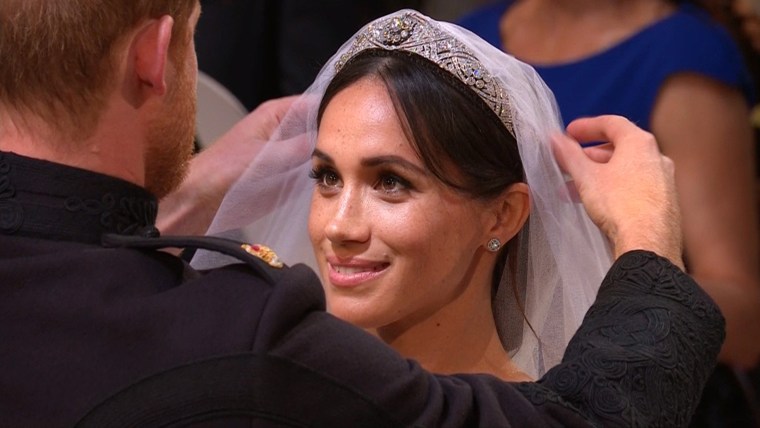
(511,211)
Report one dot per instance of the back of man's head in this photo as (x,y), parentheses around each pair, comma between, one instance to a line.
(58,55)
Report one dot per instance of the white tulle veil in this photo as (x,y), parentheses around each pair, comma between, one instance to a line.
(563,255)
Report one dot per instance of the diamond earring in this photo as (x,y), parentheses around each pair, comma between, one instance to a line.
(493,245)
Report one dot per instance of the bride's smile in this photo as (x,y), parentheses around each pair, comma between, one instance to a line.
(353,272)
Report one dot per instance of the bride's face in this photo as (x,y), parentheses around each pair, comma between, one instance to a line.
(394,244)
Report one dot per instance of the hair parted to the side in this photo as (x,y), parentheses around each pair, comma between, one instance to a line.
(58,61)
(460,140)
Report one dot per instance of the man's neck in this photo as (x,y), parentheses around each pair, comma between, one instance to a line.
(108,150)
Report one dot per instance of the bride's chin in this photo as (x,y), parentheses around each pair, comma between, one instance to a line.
(357,318)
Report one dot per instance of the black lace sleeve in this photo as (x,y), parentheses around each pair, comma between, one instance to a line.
(644,350)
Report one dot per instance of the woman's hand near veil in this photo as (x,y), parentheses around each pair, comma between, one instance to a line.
(190,208)
(627,186)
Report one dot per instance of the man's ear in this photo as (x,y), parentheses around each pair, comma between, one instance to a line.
(150,52)
(512,208)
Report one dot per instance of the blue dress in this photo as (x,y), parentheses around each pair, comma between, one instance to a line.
(626,78)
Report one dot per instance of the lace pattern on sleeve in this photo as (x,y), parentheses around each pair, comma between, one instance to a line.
(644,351)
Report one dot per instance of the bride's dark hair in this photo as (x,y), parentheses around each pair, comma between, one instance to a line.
(447,123)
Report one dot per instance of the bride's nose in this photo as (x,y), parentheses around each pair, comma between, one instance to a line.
(348,222)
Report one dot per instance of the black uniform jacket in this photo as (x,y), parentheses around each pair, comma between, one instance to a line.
(98,326)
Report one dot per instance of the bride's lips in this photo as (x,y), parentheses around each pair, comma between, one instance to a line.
(350,273)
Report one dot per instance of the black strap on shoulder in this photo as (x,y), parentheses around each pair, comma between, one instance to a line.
(268,390)
(222,245)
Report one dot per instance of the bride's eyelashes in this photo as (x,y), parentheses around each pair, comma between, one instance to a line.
(387,182)
(392,184)
(325,178)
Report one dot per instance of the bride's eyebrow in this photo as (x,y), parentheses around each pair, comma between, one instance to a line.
(324,157)
(375,161)
(393,160)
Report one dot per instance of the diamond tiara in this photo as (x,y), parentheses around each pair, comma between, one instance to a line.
(410,32)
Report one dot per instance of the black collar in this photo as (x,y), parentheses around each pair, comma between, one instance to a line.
(48,200)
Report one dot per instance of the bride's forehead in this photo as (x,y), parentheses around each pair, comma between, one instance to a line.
(356,142)
(359,129)
(362,90)
(362,107)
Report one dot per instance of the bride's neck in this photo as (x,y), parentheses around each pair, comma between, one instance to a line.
(460,338)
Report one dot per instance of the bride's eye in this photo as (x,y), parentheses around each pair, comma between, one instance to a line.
(325,177)
(391,183)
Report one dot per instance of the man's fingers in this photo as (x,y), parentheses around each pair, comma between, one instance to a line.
(605,128)
(569,154)
(601,153)
(616,130)
(269,114)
